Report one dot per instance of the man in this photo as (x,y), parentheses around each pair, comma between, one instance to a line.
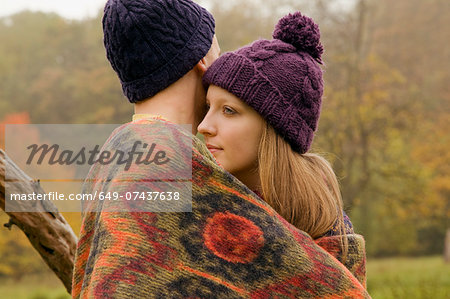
(231,244)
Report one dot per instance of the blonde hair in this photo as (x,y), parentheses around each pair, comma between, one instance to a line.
(302,188)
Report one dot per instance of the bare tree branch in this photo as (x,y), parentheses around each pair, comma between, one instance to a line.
(48,232)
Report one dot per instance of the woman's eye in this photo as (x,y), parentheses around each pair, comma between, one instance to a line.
(228,110)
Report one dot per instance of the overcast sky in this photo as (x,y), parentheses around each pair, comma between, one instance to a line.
(73,9)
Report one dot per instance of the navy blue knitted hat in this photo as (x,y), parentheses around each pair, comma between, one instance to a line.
(153,43)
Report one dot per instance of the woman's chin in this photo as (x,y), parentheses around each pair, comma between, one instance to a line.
(218,159)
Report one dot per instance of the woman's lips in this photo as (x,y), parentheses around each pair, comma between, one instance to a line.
(213,148)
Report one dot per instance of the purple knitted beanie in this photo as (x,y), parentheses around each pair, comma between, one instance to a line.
(153,43)
(280,78)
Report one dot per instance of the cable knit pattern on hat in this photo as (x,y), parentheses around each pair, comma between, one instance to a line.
(152,44)
(280,78)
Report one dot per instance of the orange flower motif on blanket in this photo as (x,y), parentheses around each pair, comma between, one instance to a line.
(233,238)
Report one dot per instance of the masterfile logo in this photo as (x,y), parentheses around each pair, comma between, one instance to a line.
(147,166)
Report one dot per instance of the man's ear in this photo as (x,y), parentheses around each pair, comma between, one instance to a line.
(201,66)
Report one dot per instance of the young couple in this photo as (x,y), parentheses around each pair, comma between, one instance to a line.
(258,109)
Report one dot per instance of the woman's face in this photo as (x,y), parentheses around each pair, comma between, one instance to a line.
(232,131)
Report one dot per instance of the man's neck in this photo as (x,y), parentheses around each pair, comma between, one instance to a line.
(176,103)
(168,107)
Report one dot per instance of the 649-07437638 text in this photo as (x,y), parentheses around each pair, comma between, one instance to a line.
(135,196)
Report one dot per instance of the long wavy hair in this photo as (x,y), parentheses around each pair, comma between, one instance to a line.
(302,188)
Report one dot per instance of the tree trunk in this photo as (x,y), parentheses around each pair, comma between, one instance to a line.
(48,232)
(447,247)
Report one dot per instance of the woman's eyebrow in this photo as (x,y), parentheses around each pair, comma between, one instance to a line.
(216,99)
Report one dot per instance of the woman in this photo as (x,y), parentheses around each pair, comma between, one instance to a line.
(263,107)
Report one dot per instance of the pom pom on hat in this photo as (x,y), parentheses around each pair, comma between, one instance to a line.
(301,32)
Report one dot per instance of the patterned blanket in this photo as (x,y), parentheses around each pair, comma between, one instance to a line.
(232,244)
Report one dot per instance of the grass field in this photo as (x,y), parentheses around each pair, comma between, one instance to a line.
(425,277)
(46,286)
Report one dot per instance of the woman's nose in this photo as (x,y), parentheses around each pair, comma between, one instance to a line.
(206,127)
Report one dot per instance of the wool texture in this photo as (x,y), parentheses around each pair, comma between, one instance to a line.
(355,259)
(279,78)
(336,228)
(232,244)
(153,43)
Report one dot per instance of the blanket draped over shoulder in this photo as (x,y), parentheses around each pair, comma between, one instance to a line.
(354,258)
(232,244)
